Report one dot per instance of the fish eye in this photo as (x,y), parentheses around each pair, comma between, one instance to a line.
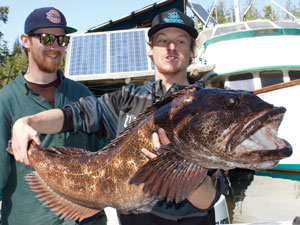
(232,101)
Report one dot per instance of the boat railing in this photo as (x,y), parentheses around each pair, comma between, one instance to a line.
(277,86)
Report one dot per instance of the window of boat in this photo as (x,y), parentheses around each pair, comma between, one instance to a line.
(259,25)
(241,81)
(229,29)
(294,74)
(269,78)
(287,24)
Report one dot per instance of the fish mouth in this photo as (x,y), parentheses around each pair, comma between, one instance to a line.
(257,140)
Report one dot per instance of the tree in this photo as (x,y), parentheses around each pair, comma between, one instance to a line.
(252,14)
(14,63)
(296,11)
(288,7)
(268,12)
(220,13)
(4,13)
(3,44)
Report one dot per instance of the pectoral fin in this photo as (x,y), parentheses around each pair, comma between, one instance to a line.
(66,209)
(169,176)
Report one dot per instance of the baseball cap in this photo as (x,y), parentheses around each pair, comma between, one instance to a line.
(173,18)
(46,17)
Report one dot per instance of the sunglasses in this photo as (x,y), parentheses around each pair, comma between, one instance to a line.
(48,39)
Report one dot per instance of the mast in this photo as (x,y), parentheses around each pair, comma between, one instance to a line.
(237,11)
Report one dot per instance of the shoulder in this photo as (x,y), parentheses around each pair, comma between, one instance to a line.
(130,90)
(77,87)
(198,83)
(74,83)
(138,91)
(71,83)
(9,91)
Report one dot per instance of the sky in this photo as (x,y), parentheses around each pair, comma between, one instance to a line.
(85,14)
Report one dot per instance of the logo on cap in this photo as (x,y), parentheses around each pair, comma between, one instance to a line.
(53,16)
(173,17)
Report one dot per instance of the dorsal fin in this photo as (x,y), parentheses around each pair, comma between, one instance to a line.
(65,208)
(148,111)
(169,176)
(70,151)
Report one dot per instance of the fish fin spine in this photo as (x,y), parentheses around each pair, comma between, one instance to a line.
(65,208)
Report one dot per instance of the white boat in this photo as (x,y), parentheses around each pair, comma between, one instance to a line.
(260,56)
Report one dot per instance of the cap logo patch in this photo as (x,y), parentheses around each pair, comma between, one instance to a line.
(173,17)
(53,16)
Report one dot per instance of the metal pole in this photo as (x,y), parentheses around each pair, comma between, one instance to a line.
(283,9)
(209,16)
(237,11)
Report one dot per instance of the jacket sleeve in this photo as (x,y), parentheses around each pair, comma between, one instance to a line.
(91,114)
(5,168)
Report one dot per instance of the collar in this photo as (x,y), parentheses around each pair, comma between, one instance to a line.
(157,91)
(23,82)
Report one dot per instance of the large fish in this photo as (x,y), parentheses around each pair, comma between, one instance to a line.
(208,128)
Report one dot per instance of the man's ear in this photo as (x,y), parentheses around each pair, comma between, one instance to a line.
(150,52)
(193,54)
(25,40)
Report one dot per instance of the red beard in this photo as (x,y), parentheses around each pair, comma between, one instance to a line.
(45,63)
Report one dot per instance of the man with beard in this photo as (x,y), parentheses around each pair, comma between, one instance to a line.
(41,87)
(172,41)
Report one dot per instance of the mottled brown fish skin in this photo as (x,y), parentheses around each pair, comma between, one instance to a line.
(207,128)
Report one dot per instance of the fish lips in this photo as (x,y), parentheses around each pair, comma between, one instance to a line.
(257,140)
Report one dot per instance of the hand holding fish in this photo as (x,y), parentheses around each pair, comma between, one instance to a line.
(22,133)
(27,128)
(201,197)
(156,138)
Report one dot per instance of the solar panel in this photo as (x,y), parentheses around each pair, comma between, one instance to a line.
(88,55)
(201,13)
(128,52)
(108,55)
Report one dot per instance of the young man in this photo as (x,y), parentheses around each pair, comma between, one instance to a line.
(41,87)
(172,39)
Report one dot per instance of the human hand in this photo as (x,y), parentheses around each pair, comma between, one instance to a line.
(161,136)
(203,196)
(22,134)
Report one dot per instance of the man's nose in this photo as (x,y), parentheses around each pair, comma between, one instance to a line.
(171,45)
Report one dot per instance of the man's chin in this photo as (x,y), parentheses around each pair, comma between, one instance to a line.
(169,71)
(49,69)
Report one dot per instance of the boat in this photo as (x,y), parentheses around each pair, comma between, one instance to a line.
(262,197)
(259,56)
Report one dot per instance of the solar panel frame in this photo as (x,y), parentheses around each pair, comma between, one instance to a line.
(121,54)
(201,13)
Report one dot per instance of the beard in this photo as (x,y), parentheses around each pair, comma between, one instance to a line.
(45,63)
(168,71)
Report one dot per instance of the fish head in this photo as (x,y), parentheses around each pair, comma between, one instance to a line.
(233,127)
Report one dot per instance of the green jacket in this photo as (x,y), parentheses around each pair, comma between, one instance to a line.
(17,99)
